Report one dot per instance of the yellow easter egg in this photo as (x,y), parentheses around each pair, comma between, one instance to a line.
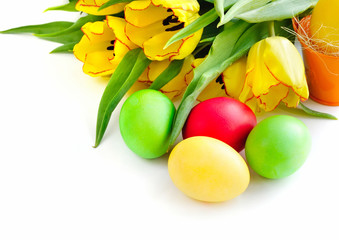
(207,169)
(324,27)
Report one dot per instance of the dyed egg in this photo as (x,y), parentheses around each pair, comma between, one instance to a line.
(207,169)
(324,25)
(145,123)
(278,146)
(222,118)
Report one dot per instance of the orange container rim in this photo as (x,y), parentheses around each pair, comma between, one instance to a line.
(296,25)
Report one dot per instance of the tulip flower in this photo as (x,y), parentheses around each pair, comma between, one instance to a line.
(228,84)
(151,23)
(103,46)
(177,85)
(275,73)
(92,7)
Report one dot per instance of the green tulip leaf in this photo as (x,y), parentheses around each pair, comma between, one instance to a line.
(64,38)
(168,74)
(219,7)
(240,7)
(316,113)
(277,10)
(128,71)
(69,7)
(74,27)
(112,2)
(66,48)
(45,28)
(195,26)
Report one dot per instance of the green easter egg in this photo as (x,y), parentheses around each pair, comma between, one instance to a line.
(145,122)
(278,146)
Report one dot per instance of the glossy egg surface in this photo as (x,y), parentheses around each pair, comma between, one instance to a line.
(207,169)
(145,122)
(278,146)
(222,118)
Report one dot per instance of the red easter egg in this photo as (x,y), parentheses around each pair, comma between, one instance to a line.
(222,118)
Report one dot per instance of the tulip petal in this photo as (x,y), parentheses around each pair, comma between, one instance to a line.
(92,7)
(140,35)
(151,23)
(92,48)
(143,13)
(118,26)
(234,78)
(258,75)
(153,47)
(292,99)
(183,9)
(177,85)
(290,72)
(103,46)
(215,89)
(272,98)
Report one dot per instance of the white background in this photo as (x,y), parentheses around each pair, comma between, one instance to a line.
(54,185)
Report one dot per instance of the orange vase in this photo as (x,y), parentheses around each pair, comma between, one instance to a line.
(322,70)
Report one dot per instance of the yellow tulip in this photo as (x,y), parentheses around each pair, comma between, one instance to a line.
(275,73)
(228,84)
(92,7)
(177,85)
(103,46)
(151,23)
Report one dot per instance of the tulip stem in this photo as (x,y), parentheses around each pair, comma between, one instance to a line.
(271,29)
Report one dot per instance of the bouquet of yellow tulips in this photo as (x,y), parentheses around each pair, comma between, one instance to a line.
(194,50)
(198,47)
(169,45)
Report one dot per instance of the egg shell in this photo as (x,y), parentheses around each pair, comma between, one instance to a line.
(208,170)
(222,118)
(278,146)
(145,122)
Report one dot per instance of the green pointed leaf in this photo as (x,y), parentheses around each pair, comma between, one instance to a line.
(64,38)
(74,27)
(316,113)
(112,2)
(277,10)
(69,7)
(203,21)
(195,26)
(126,74)
(66,48)
(240,7)
(219,7)
(40,28)
(168,74)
